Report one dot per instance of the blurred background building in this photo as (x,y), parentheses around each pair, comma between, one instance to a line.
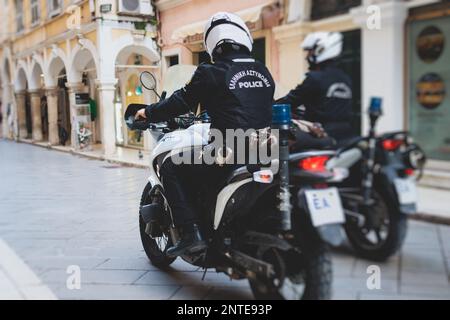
(65,65)
(395,49)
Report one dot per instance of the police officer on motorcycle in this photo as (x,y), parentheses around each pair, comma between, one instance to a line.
(325,96)
(236,91)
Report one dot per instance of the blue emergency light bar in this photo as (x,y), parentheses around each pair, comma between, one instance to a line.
(376,105)
(281,114)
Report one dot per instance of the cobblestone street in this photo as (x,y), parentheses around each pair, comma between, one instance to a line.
(59,210)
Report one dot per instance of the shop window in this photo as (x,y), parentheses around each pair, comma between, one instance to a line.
(429,86)
(54,7)
(35,12)
(172,60)
(19,15)
(328,8)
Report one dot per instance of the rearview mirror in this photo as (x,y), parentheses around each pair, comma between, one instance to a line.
(148,81)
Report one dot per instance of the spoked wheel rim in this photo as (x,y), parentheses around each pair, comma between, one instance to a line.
(162,242)
(373,234)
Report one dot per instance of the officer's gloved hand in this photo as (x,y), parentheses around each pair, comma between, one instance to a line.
(318,131)
(314,129)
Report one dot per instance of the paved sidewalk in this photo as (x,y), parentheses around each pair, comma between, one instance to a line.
(434,203)
(17,280)
(59,210)
(124,156)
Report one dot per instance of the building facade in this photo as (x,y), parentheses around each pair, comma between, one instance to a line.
(394,49)
(68,67)
(381,53)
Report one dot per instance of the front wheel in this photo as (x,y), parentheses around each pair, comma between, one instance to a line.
(155,248)
(383,231)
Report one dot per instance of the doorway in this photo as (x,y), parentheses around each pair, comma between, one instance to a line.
(28,116)
(44,118)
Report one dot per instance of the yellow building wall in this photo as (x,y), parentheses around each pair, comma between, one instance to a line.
(47,28)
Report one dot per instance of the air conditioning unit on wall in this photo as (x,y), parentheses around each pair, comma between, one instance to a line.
(135,7)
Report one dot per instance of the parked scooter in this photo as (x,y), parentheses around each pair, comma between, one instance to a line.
(380,192)
(251,229)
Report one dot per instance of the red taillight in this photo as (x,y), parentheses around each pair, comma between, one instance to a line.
(316,164)
(409,172)
(391,144)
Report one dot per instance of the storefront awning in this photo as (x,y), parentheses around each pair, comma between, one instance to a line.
(250,15)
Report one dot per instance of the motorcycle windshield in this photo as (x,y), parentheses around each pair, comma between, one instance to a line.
(280,91)
(177,77)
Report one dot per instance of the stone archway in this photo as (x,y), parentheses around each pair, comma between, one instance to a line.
(58,105)
(82,76)
(130,61)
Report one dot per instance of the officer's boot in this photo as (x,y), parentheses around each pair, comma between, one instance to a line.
(190,242)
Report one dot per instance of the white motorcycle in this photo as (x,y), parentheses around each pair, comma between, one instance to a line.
(240,221)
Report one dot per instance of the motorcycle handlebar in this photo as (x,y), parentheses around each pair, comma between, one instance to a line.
(180,122)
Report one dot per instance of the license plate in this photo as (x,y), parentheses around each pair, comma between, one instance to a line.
(325,207)
(406,191)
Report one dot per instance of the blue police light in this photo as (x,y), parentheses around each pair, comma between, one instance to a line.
(375,105)
(281,114)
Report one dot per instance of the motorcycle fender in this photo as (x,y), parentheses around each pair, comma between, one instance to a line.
(331,233)
(154,181)
(387,177)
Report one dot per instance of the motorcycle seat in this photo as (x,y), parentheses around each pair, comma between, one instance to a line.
(305,141)
(343,145)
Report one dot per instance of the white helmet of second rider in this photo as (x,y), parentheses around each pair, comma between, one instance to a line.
(323,46)
(226,27)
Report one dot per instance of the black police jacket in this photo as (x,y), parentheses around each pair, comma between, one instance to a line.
(326,96)
(236,91)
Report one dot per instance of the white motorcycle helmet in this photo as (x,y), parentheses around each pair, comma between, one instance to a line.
(224,27)
(323,46)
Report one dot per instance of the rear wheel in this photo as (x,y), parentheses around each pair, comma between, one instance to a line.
(383,231)
(307,273)
(155,248)
(307,276)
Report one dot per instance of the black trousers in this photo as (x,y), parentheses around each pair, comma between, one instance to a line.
(183,181)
